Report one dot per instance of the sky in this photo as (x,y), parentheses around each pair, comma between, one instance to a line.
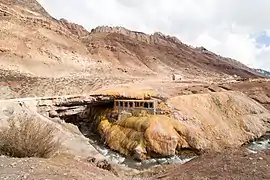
(239,29)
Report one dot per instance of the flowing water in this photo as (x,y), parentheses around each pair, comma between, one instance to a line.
(113,157)
(116,158)
(259,145)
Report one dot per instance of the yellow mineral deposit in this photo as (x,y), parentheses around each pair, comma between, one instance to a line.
(213,122)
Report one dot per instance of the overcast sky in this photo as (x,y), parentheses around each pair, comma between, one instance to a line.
(239,29)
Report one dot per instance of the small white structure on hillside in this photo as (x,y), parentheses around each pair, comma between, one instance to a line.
(176,77)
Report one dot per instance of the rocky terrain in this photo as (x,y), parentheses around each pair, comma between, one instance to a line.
(55,48)
(62,74)
(237,164)
(62,167)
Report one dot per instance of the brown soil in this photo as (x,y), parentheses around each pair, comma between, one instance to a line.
(237,164)
(62,167)
(257,90)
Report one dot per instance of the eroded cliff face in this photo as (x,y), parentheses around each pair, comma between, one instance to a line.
(156,38)
(198,123)
(32,5)
(162,53)
(75,29)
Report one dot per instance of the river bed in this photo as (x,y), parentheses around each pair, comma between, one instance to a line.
(116,158)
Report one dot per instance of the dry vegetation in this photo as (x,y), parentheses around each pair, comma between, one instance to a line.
(27,137)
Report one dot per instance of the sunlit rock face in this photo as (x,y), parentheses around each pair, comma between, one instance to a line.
(72,140)
(198,123)
(143,137)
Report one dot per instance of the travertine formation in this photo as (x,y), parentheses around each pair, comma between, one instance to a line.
(208,122)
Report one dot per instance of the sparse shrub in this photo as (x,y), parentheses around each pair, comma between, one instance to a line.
(28,137)
(217,102)
(253,112)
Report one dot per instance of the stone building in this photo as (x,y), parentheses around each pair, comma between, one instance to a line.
(149,106)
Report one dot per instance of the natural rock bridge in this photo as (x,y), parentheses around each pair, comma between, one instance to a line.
(74,105)
(71,105)
(86,106)
(189,127)
(59,106)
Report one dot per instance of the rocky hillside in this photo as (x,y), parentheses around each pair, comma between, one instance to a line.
(32,40)
(32,5)
(159,52)
(42,56)
(264,72)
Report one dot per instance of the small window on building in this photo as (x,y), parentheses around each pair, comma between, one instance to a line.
(141,104)
(145,105)
(121,104)
(131,104)
(151,105)
(117,103)
(126,104)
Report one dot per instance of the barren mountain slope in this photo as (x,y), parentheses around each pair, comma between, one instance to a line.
(32,43)
(32,5)
(40,55)
(237,164)
(162,53)
(32,40)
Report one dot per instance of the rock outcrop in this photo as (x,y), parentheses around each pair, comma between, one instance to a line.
(73,142)
(206,122)
(32,5)
(161,53)
(75,29)
(156,38)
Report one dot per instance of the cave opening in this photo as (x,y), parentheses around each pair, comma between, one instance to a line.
(88,118)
